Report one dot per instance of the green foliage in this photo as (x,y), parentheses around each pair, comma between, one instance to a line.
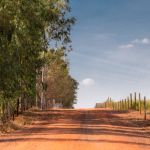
(142,105)
(61,86)
(23,26)
(99,105)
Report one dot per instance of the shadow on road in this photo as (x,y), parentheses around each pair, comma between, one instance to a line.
(83,122)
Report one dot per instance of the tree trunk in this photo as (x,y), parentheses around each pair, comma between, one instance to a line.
(42,96)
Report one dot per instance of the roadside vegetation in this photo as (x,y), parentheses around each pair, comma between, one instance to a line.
(19,122)
(99,105)
(32,71)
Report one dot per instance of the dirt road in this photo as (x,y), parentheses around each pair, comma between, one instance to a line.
(93,129)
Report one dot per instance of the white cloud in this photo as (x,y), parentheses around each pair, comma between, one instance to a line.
(126,46)
(87,81)
(144,41)
(129,46)
(136,41)
(123,46)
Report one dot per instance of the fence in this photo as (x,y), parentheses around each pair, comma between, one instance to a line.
(125,104)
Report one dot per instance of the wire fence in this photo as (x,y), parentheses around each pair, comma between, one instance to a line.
(126,104)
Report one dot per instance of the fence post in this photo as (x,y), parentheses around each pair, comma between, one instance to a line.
(24,102)
(125,103)
(135,99)
(144,108)
(131,99)
(128,102)
(139,103)
(113,105)
(13,113)
(17,107)
(3,113)
(21,105)
(29,102)
(118,105)
(8,112)
(110,102)
(122,105)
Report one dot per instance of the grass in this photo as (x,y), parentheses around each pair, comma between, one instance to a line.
(133,105)
(8,127)
(34,108)
(137,104)
(18,123)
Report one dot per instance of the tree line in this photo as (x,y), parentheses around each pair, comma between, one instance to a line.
(31,70)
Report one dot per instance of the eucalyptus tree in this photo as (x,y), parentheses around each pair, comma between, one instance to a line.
(26,28)
(21,41)
(9,65)
(57,28)
(60,85)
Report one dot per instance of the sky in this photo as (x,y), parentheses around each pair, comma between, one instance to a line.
(111,50)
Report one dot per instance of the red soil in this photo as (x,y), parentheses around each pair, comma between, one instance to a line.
(81,129)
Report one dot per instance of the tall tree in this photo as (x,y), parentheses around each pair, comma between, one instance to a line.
(58,28)
(60,85)
(23,24)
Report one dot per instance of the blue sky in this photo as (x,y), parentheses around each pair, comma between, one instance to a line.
(111,49)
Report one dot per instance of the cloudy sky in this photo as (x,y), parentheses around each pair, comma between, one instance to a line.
(111,49)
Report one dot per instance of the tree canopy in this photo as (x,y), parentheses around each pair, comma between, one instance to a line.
(26,30)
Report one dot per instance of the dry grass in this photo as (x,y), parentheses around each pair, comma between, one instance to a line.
(8,127)
(56,108)
(18,123)
(35,108)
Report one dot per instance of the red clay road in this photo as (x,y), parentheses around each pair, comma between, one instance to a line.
(81,129)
